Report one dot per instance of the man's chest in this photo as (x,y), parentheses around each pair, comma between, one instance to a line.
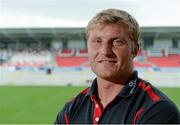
(122,112)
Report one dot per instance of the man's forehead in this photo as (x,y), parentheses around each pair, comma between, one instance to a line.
(101,25)
(119,29)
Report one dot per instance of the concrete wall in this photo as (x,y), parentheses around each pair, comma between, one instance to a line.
(76,44)
(79,78)
(162,43)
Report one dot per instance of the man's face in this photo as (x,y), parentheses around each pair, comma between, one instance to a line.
(110,51)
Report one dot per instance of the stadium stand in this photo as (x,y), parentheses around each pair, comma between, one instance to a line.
(155,53)
(66,53)
(160,47)
(4,55)
(74,61)
(174,51)
(82,53)
(43,57)
(170,61)
(79,58)
(27,58)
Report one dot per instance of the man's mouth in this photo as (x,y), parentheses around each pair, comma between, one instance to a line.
(107,61)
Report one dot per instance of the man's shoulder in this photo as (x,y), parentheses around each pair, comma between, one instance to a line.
(150,95)
(156,103)
(71,106)
(164,111)
(82,94)
(77,99)
(153,96)
(152,92)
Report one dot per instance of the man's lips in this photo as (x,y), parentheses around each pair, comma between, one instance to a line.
(107,61)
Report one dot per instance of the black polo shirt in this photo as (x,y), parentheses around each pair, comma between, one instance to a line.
(138,103)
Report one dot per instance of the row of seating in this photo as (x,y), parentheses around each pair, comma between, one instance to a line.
(71,53)
(25,64)
(149,53)
(42,60)
(170,61)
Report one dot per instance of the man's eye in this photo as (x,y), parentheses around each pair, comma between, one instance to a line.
(97,41)
(118,42)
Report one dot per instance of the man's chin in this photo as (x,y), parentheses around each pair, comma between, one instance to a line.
(105,75)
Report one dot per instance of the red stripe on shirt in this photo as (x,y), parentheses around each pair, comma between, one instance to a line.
(66,119)
(85,91)
(149,91)
(137,115)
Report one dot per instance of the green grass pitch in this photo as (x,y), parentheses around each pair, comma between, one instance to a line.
(41,104)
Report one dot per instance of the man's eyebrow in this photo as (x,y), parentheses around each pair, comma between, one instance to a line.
(114,38)
(96,37)
(120,38)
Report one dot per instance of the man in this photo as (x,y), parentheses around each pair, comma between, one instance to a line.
(117,95)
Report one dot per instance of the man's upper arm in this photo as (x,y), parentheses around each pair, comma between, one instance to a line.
(164,112)
(62,117)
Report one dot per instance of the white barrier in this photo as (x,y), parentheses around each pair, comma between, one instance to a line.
(79,78)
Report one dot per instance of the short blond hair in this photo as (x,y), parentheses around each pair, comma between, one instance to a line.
(116,16)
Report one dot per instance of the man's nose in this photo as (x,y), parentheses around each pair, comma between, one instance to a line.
(106,49)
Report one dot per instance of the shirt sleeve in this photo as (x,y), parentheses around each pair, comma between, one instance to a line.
(164,112)
(62,116)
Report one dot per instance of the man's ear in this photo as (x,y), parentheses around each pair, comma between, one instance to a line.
(135,49)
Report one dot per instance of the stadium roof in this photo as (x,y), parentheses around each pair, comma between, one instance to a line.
(76,13)
(34,34)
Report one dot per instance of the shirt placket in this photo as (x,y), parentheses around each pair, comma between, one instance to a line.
(98,108)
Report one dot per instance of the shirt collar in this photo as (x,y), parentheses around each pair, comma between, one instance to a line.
(93,88)
(127,90)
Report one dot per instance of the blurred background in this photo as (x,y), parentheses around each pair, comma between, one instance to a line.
(43,52)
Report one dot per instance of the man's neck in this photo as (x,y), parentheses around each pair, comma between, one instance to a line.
(108,90)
